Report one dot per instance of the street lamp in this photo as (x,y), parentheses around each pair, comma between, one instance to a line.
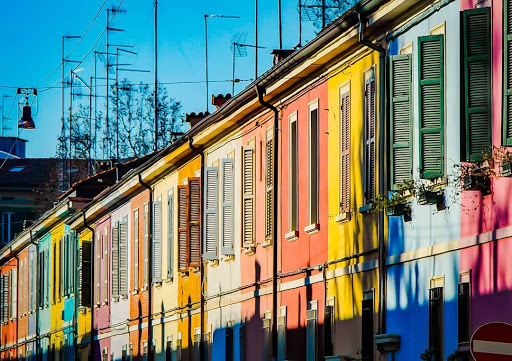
(206,17)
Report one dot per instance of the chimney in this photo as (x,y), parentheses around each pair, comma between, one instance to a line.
(219,100)
(194,118)
(280,55)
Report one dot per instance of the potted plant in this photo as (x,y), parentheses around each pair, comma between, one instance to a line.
(428,196)
(478,182)
(429,354)
(458,356)
(506,167)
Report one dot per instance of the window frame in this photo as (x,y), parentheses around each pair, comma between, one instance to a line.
(313,223)
(293,177)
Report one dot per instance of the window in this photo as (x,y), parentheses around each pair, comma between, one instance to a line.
(123,257)
(401,119)
(313,162)
(267,335)
(329,327)
(230,344)
(136,250)
(168,349)
(170,232)
(14,293)
(464,309)
(145,246)
(7,219)
(507,52)
(345,149)
(84,272)
(197,344)
(311,331)
(431,106)
(99,242)
(281,334)
(435,324)
(369,136)
(5,298)
(248,190)
(157,241)
(210,213)
(227,167)
(115,262)
(476,32)
(367,326)
(293,175)
(105,265)
(269,186)
(189,211)
(16,169)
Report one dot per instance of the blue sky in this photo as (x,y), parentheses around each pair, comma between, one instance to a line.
(31,46)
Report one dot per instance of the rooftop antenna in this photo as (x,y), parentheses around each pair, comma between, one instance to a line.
(309,11)
(239,48)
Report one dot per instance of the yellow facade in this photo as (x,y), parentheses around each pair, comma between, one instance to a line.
(354,232)
(56,300)
(84,314)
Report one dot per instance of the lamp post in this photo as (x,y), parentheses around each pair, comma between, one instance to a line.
(206,17)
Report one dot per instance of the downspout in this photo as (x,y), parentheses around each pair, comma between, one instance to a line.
(260,92)
(93,257)
(200,152)
(150,266)
(36,257)
(382,159)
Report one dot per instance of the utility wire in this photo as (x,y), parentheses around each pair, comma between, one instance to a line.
(76,46)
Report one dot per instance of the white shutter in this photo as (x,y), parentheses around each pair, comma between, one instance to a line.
(115,261)
(269,187)
(145,247)
(136,249)
(170,232)
(227,166)
(157,241)
(123,257)
(248,180)
(14,292)
(210,213)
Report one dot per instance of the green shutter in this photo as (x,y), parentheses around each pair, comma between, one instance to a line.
(227,166)
(477,82)
(370,133)
(210,213)
(401,119)
(431,105)
(157,242)
(507,64)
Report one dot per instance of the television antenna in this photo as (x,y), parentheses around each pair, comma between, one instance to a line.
(239,49)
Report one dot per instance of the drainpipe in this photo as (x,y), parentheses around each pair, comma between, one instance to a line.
(37,294)
(150,266)
(93,258)
(200,152)
(260,92)
(382,161)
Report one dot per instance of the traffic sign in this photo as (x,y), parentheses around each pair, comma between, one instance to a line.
(492,342)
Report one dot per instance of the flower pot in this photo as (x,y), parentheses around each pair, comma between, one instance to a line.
(506,168)
(397,210)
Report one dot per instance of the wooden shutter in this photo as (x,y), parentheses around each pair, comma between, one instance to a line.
(136,235)
(436,319)
(115,261)
(345,152)
(476,32)
(507,65)
(99,241)
(170,232)
(30,282)
(145,247)
(248,189)
(183,220)
(431,104)
(269,186)
(227,166)
(85,274)
(4,294)
(311,321)
(370,124)
(401,119)
(123,257)
(61,257)
(464,313)
(367,330)
(281,338)
(14,292)
(328,330)
(195,219)
(210,213)
(157,241)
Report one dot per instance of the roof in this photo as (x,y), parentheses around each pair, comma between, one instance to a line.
(27,172)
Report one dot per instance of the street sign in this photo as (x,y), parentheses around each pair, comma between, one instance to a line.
(492,342)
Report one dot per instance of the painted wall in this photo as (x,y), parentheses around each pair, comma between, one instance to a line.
(408,276)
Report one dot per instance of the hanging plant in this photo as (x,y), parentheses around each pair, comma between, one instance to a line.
(458,356)
(429,355)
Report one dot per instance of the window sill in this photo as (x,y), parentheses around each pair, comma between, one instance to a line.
(292,236)
(134,292)
(123,297)
(248,250)
(104,303)
(228,258)
(212,262)
(195,269)
(184,274)
(267,243)
(144,289)
(312,228)
(464,346)
(168,280)
(157,284)
(115,299)
(343,217)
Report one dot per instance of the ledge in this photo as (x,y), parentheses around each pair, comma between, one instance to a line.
(249,251)
(213,263)
(168,280)
(228,258)
(267,243)
(312,228)
(292,236)
(343,217)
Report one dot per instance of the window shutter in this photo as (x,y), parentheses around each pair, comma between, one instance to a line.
(30,283)
(157,241)
(14,290)
(269,186)
(46,271)
(98,267)
(464,313)
(436,319)
(477,82)
(311,335)
(227,166)
(507,63)
(431,104)
(195,219)
(328,330)
(136,249)
(80,276)
(2,284)
(367,330)
(369,104)
(183,220)
(248,180)
(401,119)
(115,261)
(86,274)
(145,250)
(314,126)
(210,213)
(61,267)
(281,338)
(170,232)
(123,257)
(345,153)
